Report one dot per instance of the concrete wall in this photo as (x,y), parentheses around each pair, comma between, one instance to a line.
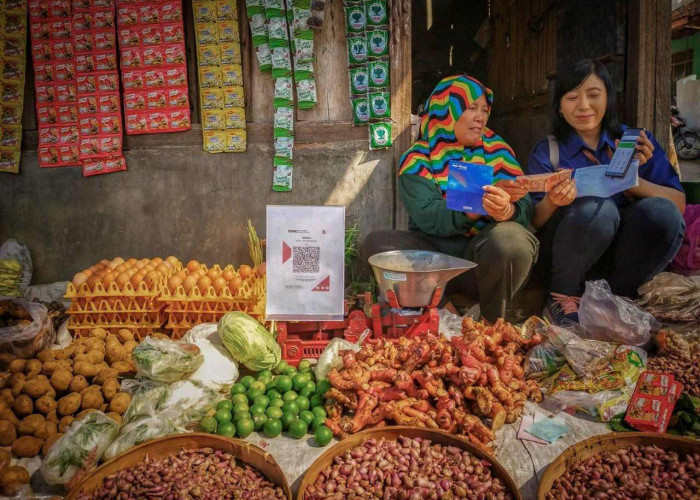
(179,200)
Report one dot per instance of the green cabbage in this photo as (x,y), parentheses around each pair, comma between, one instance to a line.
(249,342)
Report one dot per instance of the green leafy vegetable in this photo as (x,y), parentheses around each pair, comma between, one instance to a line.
(248,341)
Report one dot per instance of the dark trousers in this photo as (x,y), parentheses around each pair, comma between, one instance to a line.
(592,239)
(504,252)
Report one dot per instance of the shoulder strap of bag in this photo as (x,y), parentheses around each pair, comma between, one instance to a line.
(553,152)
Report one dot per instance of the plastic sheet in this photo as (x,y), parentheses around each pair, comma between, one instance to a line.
(330,358)
(11,249)
(26,340)
(219,371)
(166,360)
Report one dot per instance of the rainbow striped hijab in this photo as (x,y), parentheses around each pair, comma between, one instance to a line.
(429,157)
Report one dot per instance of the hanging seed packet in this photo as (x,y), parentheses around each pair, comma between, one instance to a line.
(380,135)
(298,18)
(277,31)
(274,8)
(284,147)
(282,175)
(281,62)
(284,121)
(303,70)
(258,25)
(304,46)
(379,104)
(355,18)
(358,80)
(264,57)
(377,14)
(378,43)
(284,92)
(357,49)
(378,72)
(360,110)
(306,94)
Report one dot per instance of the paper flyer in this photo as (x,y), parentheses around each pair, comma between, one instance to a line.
(592,181)
(465,186)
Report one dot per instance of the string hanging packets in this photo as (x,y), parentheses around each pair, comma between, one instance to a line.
(299,15)
(259,32)
(222,100)
(13,40)
(367,27)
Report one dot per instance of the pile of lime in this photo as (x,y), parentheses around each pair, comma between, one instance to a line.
(291,400)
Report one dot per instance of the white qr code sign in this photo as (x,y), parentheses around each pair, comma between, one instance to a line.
(305,249)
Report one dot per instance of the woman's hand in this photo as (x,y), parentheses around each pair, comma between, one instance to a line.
(513,188)
(497,203)
(644,147)
(563,194)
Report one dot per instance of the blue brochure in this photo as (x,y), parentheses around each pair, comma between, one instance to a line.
(593,181)
(465,186)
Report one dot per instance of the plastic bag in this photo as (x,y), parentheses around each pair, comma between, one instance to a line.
(25,340)
(11,249)
(10,273)
(614,319)
(672,297)
(143,429)
(79,449)
(52,292)
(543,360)
(219,371)
(165,360)
(330,357)
(146,397)
(450,324)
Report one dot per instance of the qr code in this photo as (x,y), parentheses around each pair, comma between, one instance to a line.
(306,259)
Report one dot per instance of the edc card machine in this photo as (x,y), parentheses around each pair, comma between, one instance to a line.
(621,160)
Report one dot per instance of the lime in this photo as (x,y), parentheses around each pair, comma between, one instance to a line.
(240,407)
(290,396)
(286,419)
(239,398)
(281,366)
(322,386)
(273,412)
(208,424)
(316,401)
(259,385)
(273,394)
(306,393)
(318,422)
(247,380)
(270,385)
(238,389)
(276,403)
(259,421)
(257,410)
(226,429)
(303,403)
(283,383)
(254,392)
(224,405)
(319,411)
(261,400)
(311,386)
(304,366)
(298,428)
(307,417)
(241,414)
(291,407)
(290,371)
(265,375)
(299,381)
(323,435)
(222,416)
(244,427)
(272,428)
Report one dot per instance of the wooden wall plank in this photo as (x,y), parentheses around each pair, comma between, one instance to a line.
(662,100)
(641,54)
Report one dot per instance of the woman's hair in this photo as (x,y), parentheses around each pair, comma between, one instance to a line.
(570,78)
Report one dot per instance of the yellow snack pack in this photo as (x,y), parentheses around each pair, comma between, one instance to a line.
(208,55)
(213,119)
(235,118)
(234,97)
(228,31)
(210,76)
(212,99)
(236,140)
(214,141)
(230,53)
(226,10)
(232,74)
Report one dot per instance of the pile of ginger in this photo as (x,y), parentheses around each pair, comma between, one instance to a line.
(468,385)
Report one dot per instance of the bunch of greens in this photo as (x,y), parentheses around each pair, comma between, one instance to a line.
(166,360)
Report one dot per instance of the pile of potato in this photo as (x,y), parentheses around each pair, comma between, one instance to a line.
(40,397)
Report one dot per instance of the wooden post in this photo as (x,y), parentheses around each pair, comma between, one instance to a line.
(648,82)
(401,80)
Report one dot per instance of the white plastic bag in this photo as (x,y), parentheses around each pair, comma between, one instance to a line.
(219,371)
(450,324)
(330,357)
(51,292)
(165,360)
(145,428)
(11,249)
(28,339)
(611,318)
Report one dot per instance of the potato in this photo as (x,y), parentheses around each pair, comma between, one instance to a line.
(52,416)
(29,424)
(17,366)
(84,412)
(85,368)
(46,430)
(110,388)
(103,407)
(79,349)
(104,375)
(26,447)
(115,416)
(4,379)
(52,366)
(120,403)
(112,337)
(78,383)
(33,368)
(95,356)
(50,441)
(23,405)
(8,433)
(45,404)
(61,379)
(62,354)
(116,353)
(99,333)
(4,405)
(6,358)
(10,416)
(129,346)
(91,398)
(46,355)
(13,479)
(69,404)
(17,381)
(159,335)
(51,392)
(65,422)
(122,367)
(94,343)
(125,335)
(5,459)
(6,395)
(37,387)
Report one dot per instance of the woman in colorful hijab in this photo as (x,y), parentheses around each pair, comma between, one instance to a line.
(453,127)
